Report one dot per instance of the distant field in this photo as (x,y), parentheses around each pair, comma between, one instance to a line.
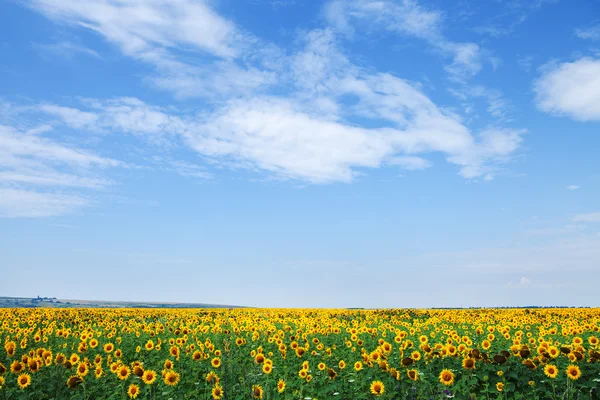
(28,302)
(271,354)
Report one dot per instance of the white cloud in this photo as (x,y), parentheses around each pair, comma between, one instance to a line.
(592,33)
(589,217)
(20,203)
(523,282)
(149,24)
(195,51)
(66,49)
(29,162)
(571,89)
(572,187)
(310,131)
(408,18)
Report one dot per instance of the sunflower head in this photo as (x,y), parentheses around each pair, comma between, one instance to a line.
(446,377)
(377,388)
(257,392)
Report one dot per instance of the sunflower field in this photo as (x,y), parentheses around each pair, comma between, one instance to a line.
(299,354)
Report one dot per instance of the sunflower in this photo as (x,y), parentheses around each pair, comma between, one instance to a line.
(74,381)
(98,372)
(33,365)
(551,371)
(197,356)
(257,392)
(217,392)
(2,369)
(499,386)
(82,369)
(358,366)
(212,378)
(123,372)
(342,364)
(468,363)
(149,377)
(149,345)
(16,367)
(308,378)
(321,366)
(109,347)
(377,388)
(24,380)
(413,374)
(302,373)
(267,368)
(133,391)
(280,386)
(415,355)
(446,377)
(215,362)
(60,359)
(1,382)
(168,364)
(171,378)
(573,372)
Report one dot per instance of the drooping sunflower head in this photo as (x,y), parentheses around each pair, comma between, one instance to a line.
(413,374)
(468,363)
(74,381)
(257,392)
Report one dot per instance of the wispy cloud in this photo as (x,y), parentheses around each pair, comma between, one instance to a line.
(572,187)
(407,18)
(571,89)
(29,203)
(66,49)
(195,51)
(591,33)
(589,217)
(34,168)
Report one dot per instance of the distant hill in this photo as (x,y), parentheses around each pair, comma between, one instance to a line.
(53,302)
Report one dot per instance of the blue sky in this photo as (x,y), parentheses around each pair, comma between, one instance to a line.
(301,153)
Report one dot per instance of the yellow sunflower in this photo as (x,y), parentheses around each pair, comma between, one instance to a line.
(377,388)
(24,380)
(413,374)
(551,371)
(171,378)
(573,372)
(257,392)
(149,377)
(217,392)
(133,391)
(280,386)
(446,377)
